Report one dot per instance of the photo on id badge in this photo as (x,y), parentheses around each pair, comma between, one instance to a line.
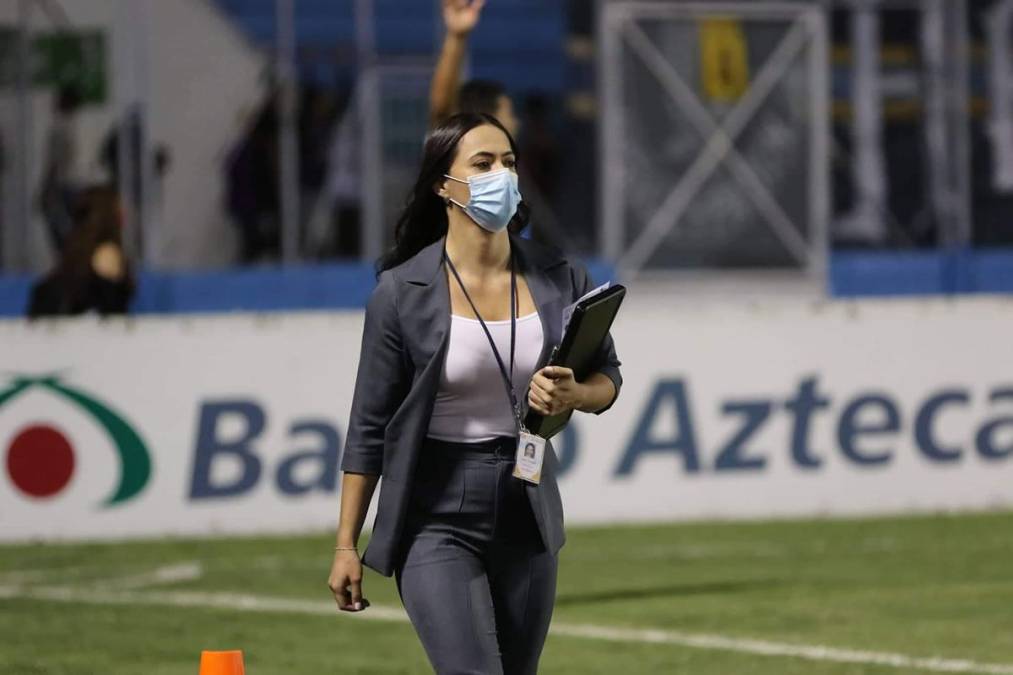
(528,463)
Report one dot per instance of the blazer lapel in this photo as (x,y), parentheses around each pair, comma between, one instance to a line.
(425,306)
(537,264)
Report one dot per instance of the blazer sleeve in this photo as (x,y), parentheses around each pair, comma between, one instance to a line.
(381,383)
(606,362)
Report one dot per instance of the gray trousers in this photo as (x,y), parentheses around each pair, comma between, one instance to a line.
(473,573)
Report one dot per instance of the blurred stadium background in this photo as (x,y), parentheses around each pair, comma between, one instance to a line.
(810,469)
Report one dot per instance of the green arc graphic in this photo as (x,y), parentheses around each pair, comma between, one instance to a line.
(135,460)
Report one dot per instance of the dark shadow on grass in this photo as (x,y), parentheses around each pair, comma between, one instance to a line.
(673,590)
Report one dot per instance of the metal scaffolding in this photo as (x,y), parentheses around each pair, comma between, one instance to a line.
(652,200)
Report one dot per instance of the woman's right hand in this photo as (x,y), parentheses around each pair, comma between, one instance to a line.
(346,581)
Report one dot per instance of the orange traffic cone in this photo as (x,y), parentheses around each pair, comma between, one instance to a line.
(222,663)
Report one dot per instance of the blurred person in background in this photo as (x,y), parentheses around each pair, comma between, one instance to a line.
(251,184)
(540,148)
(92,274)
(252,174)
(318,112)
(340,209)
(57,192)
(446,94)
(160,160)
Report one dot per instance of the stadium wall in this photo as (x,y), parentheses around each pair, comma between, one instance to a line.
(234,424)
(345,285)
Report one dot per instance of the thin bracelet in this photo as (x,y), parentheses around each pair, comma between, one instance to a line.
(347,548)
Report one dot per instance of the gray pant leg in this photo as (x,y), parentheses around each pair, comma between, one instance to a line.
(524,593)
(451,608)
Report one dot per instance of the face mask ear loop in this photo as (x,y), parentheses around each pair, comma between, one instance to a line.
(451,199)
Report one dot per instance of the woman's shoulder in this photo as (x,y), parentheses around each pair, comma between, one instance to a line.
(419,268)
(420,263)
(550,257)
(546,255)
(567,271)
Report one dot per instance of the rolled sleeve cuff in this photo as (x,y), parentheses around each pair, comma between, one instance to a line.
(353,462)
(613,374)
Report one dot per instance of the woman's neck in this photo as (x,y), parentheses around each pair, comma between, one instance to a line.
(475,250)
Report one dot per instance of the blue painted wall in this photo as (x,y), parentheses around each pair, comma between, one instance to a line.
(274,289)
(886,273)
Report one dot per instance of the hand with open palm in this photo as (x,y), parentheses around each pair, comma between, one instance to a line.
(461,16)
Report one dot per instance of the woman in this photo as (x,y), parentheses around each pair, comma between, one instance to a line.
(92,274)
(460,325)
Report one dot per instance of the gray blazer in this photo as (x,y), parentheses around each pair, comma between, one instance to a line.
(404,345)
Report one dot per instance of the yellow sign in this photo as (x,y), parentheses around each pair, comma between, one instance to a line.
(724,60)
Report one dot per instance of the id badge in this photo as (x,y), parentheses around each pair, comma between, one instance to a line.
(530,452)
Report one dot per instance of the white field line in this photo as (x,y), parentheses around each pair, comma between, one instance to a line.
(253,603)
(232,601)
(766,648)
(15,577)
(169,574)
(184,571)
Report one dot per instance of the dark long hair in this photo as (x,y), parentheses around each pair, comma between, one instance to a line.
(424,218)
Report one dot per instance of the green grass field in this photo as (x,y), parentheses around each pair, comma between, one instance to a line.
(928,587)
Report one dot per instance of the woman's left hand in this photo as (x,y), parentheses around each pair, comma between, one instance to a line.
(554,390)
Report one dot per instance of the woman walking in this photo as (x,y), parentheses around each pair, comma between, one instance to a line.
(456,338)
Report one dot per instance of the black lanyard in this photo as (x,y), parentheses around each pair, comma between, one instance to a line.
(507,378)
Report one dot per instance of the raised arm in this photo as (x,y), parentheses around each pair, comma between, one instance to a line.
(459,18)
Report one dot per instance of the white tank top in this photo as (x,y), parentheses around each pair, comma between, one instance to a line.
(471,403)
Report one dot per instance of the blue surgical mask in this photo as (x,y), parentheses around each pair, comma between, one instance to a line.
(494,198)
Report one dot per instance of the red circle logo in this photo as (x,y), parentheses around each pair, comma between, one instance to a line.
(40,461)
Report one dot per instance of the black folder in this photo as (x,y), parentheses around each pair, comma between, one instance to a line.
(589,325)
